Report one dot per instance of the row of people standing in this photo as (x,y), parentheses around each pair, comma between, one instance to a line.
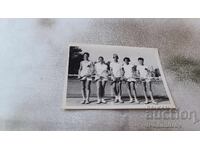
(100,72)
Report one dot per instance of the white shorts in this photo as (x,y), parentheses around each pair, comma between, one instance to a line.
(145,79)
(130,79)
(86,78)
(97,78)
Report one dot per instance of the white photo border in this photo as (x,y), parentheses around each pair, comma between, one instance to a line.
(65,106)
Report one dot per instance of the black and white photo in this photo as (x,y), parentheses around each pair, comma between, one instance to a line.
(115,77)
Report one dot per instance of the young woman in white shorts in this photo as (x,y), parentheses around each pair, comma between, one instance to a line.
(143,72)
(116,76)
(101,77)
(128,73)
(85,76)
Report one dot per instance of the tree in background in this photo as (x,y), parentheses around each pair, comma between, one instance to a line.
(75,57)
(157,72)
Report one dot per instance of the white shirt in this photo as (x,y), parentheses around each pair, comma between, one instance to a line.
(86,68)
(142,70)
(116,68)
(128,70)
(100,68)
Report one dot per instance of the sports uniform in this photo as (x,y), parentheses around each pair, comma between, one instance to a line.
(128,72)
(86,71)
(116,71)
(101,71)
(143,72)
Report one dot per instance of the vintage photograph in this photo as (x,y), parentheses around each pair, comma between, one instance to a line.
(115,77)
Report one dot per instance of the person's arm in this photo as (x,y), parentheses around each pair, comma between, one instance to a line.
(148,70)
(133,69)
(107,68)
(112,75)
(94,70)
(111,71)
(79,70)
(122,71)
(134,73)
(137,71)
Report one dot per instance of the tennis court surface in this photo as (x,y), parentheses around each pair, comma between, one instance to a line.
(74,96)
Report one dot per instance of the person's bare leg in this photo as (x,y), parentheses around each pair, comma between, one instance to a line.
(134,93)
(103,91)
(120,92)
(145,93)
(83,91)
(128,85)
(88,92)
(151,93)
(115,92)
(98,92)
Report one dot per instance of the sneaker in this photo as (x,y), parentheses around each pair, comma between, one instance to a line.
(146,101)
(120,100)
(98,101)
(131,100)
(154,102)
(103,100)
(83,102)
(136,101)
(87,102)
(116,99)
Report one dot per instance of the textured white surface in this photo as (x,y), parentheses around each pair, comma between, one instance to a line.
(33,58)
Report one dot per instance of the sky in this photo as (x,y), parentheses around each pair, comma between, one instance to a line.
(149,54)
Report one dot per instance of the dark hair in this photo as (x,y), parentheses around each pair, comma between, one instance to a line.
(116,56)
(101,57)
(126,58)
(140,58)
(86,53)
